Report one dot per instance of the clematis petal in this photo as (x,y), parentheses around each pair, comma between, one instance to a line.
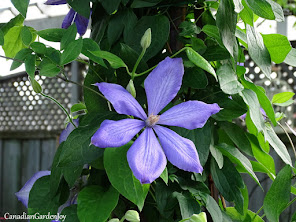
(55,2)
(81,24)
(66,132)
(189,115)
(69,18)
(180,151)
(122,101)
(23,194)
(163,84)
(116,133)
(146,157)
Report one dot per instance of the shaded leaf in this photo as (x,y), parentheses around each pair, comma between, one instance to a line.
(278,195)
(96,204)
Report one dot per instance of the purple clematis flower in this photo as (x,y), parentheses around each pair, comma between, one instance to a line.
(147,157)
(72,16)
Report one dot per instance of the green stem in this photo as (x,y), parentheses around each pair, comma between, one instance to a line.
(61,106)
(83,86)
(122,219)
(148,70)
(133,75)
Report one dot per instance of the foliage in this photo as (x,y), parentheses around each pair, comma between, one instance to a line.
(205,35)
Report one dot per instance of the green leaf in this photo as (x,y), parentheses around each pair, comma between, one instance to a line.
(30,65)
(70,213)
(52,35)
(251,100)
(13,41)
(201,137)
(247,14)
(217,156)
(96,204)
(228,80)
(38,47)
(238,6)
(282,97)
(69,36)
(26,35)
(263,100)
(77,149)
(21,55)
(277,144)
(48,68)
(199,61)
(188,205)
(291,58)
(277,10)
(145,3)
(213,208)
(113,60)
(21,6)
(216,53)
(287,103)
(258,51)
(160,28)
(195,78)
(90,45)
(165,176)
(1,37)
(41,200)
(236,216)
(78,107)
(227,27)
(238,158)
(189,29)
(71,51)
(110,6)
(238,136)
(82,7)
(115,27)
(213,32)
(261,156)
(229,182)
(278,46)
(278,196)
(121,176)
(261,8)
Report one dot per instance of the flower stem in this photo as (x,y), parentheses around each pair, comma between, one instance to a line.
(148,70)
(61,106)
(83,86)
(290,140)
(133,74)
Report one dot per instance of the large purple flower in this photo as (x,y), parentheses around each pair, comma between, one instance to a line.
(72,16)
(147,157)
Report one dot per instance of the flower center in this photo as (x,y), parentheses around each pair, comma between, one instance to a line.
(152,120)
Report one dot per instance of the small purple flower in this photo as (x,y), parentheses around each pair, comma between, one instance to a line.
(72,16)
(147,157)
(23,194)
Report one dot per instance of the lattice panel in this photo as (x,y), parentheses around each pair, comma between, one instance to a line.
(22,110)
(283,79)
